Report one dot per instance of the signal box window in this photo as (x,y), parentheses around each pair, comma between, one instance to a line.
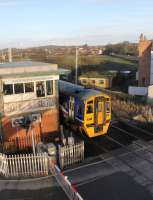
(29,87)
(18,88)
(49,87)
(8,89)
(40,89)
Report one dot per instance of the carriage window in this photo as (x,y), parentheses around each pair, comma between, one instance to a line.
(8,89)
(18,88)
(101,82)
(29,87)
(84,81)
(49,87)
(89,109)
(40,89)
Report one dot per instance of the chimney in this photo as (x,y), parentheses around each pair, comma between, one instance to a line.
(10,54)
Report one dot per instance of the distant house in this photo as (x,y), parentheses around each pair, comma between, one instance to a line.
(29,102)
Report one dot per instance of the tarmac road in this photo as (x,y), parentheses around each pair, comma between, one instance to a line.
(114,187)
(35,189)
(54,193)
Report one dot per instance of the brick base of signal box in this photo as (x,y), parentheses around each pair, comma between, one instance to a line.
(19,138)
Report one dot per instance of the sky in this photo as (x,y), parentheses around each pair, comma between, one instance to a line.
(26,23)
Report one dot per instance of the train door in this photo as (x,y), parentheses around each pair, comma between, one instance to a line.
(99,112)
(71,107)
(89,113)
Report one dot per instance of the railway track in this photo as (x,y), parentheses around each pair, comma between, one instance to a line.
(140,151)
(134,156)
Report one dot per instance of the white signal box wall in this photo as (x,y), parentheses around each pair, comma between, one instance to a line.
(140,91)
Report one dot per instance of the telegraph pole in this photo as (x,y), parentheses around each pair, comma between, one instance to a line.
(76,66)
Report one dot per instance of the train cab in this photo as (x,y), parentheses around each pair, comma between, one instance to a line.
(97,115)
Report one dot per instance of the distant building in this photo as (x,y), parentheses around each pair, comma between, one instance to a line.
(151,70)
(144,71)
(29,95)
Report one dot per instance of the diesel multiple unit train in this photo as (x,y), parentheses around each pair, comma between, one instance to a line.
(88,109)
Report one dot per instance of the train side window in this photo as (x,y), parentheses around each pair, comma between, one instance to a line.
(65,105)
(89,109)
(79,110)
(40,89)
(8,89)
(29,87)
(18,88)
(49,87)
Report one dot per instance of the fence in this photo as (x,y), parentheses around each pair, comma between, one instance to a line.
(3,164)
(63,181)
(24,165)
(38,165)
(20,143)
(70,154)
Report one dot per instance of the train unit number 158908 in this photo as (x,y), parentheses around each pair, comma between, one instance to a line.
(88,109)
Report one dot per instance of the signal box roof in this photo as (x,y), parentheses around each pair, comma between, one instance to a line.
(26,68)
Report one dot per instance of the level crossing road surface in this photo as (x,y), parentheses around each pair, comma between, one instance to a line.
(39,189)
(121,175)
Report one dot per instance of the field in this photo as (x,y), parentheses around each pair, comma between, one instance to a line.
(96,63)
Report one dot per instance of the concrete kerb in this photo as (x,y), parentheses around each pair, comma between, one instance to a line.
(29,184)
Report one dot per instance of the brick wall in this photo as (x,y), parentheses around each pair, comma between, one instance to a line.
(144,62)
(49,125)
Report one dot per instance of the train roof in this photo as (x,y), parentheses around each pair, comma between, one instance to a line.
(77,90)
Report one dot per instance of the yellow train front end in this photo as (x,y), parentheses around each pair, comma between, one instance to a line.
(97,115)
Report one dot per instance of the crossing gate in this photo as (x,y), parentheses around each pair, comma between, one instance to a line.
(24,165)
(63,181)
(71,154)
